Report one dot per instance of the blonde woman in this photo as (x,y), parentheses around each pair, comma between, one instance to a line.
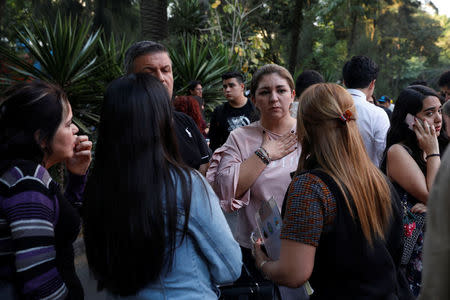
(341,231)
(255,162)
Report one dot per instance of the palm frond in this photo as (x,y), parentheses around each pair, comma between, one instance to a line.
(65,50)
(203,62)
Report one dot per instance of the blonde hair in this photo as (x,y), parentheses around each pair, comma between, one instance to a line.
(337,147)
(270,69)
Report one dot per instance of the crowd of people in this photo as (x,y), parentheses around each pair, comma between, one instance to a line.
(358,180)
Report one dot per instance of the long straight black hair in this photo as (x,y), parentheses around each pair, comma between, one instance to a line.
(131,214)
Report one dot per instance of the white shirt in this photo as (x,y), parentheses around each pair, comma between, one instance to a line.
(373,124)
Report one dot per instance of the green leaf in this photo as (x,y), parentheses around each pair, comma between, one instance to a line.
(204,62)
(66,50)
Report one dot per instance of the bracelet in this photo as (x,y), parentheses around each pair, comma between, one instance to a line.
(264,151)
(262,157)
(431,155)
(261,265)
(265,158)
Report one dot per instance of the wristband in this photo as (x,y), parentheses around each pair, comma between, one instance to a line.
(261,265)
(265,159)
(431,155)
(264,151)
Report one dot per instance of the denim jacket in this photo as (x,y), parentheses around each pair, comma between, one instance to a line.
(208,256)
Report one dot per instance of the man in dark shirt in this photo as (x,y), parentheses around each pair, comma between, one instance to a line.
(153,58)
(236,112)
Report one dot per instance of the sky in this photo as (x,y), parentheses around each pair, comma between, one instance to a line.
(443,6)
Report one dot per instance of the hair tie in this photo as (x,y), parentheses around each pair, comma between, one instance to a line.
(345,116)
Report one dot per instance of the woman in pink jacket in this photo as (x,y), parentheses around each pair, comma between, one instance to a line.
(256,161)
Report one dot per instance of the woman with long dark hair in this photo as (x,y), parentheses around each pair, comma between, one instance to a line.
(412,158)
(153,227)
(38,224)
(339,227)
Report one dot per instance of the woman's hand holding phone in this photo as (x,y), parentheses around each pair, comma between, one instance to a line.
(426,136)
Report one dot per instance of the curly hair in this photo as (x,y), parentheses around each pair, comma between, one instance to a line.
(190,106)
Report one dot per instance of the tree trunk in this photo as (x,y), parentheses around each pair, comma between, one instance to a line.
(2,8)
(100,19)
(352,38)
(154,19)
(297,22)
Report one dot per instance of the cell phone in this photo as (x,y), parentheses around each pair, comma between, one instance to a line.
(409,120)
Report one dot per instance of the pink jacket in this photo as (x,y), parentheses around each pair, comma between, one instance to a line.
(223,175)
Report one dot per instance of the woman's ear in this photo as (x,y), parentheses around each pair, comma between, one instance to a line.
(42,143)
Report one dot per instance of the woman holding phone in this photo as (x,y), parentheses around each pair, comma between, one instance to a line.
(38,224)
(412,158)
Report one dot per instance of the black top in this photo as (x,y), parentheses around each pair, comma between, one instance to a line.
(346,266)
(191,143)
(200,102)
(66,232)
(225,118)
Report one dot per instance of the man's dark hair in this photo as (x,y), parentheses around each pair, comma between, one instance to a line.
(306,79)
(359,72)
(419,82)
(139,49)
(193,84)
(233,74)
(444,80)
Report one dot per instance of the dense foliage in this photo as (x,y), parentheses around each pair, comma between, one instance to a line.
(407,38)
